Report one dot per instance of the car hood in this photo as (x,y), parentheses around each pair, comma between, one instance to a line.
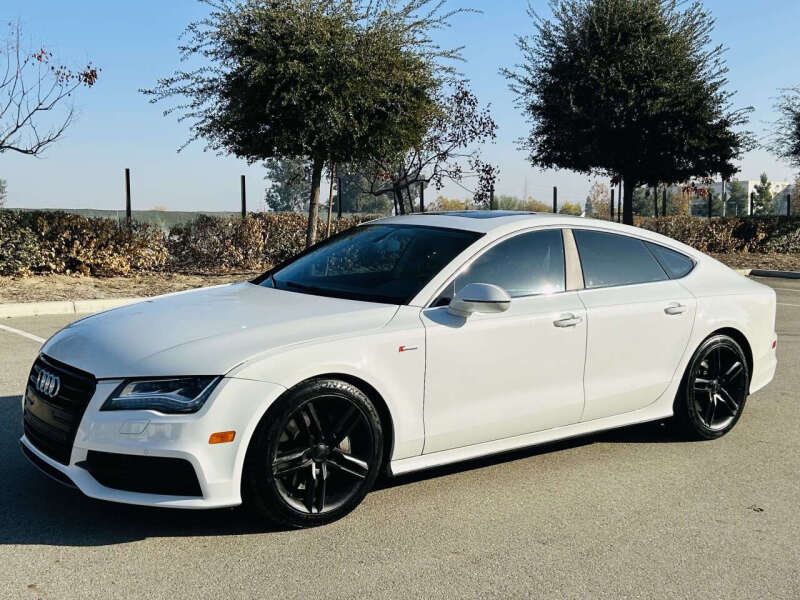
(207,331)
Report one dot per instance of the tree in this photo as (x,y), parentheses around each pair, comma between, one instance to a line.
(628,88)
(785,141)
(737,199)
(326,81)
(3,192)
(290,184)
(33,88)
(597,204)
(763,203)
(569,208)
(449,152)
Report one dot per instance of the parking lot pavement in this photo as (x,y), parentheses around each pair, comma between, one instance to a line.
(633,513)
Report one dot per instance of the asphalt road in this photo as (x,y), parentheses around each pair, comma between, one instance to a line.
(630,513)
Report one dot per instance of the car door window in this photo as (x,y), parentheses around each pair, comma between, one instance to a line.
(524,265)
(675,264)
(608,259)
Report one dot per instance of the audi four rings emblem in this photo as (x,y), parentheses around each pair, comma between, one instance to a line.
(48,384)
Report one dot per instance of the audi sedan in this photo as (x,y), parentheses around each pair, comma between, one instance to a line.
(402,344)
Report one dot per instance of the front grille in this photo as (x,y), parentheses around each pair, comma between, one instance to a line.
(144,474)
(50,424)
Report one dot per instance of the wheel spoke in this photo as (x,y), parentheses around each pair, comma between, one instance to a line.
(311,488)
(736,369)
(702,385)
(719,361)
(729,400)
(345,425)
(349,464)
(710,410)
(320,491)
(289,462)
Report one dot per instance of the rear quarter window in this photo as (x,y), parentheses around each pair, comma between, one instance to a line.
(676,265)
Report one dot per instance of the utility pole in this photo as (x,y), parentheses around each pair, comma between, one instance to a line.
(128,197)
(555,199)
(244,197)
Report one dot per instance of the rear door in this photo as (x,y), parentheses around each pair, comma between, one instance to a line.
(639,320)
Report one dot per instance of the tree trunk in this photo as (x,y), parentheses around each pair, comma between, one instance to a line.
(410,199)
(398,200)
(313,204)
(627,204)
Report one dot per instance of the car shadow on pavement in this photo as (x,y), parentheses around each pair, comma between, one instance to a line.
(34,509)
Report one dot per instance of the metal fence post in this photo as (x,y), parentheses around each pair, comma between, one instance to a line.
(655,201)
(788,204)
(491,198)
(664,202)
(611,207)
(710,201)
(128,196)
(244,197)
(555,199)
(339,195)
(752,202)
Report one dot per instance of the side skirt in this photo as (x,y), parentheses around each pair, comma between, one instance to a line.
(653,412)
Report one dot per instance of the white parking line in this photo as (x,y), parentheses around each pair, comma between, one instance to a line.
(787,290)
(24,334)
(784,304)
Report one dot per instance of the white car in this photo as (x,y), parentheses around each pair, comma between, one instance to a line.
(402,344)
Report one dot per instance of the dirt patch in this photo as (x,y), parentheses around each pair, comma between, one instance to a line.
(65,287)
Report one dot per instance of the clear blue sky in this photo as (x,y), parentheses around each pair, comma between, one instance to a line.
(134,43)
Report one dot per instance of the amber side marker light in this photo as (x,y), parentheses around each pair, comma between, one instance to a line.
(222,437)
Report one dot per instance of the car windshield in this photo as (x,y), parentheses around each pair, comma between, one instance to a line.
(374,263)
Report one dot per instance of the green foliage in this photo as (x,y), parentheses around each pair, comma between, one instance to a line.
(785,141)
(737,199)
(325,81)
(630,88)
(763,203)
(568,208)
(289,184)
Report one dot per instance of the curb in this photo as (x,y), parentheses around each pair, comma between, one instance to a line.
(64,307)
(745,272)
(783,274)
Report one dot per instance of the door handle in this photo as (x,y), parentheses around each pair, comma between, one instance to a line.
(568,320)
(675,309)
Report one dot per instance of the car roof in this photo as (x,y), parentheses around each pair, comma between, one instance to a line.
(496,223)
(475,220)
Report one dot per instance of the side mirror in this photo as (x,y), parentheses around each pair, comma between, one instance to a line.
(479,298)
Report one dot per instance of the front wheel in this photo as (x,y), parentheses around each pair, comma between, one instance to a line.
(314,458)
(715,389)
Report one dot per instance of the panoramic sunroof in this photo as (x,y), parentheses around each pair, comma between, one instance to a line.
(483,214)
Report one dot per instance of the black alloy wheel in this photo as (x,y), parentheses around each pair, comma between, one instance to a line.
(315,458)
(715,390)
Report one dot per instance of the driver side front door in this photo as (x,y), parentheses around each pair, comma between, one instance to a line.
(495,376)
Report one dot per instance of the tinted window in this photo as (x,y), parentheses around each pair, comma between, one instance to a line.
(609,259)
(525,265)
(675,264)
(375,263)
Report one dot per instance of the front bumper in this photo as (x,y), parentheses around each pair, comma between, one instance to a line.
(236,405)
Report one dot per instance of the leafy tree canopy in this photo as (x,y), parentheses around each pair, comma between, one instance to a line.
(786,135)
(327,81)
(630,88)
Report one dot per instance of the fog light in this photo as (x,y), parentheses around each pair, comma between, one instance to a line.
(222,437)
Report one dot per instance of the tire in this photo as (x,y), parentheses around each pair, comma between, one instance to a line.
(714,390)
(314,455)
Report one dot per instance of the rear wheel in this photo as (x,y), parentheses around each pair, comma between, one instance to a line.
(715,389)
(314,458)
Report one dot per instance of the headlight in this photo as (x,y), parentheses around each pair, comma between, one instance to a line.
(171,396)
